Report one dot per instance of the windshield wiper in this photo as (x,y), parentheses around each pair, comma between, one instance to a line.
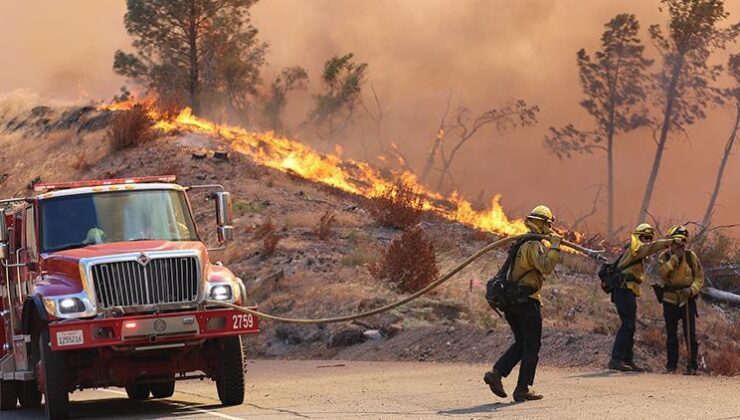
(72,246)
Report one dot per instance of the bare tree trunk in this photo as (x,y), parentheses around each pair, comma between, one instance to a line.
(670,100)
(193,56)
(721,172)
(430,159)
(610,176)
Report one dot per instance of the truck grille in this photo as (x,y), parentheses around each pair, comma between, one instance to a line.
(169,280)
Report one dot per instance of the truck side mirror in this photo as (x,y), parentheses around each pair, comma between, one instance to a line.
(224,213)
(4,236)
(3,251)
(224,217)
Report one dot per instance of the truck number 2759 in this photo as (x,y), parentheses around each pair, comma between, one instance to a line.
(243,321)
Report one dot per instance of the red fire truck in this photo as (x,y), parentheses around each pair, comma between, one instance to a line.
(105,283)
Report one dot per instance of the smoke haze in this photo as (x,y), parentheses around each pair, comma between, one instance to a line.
(483,52)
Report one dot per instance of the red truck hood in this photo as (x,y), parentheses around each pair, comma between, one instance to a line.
(117,248)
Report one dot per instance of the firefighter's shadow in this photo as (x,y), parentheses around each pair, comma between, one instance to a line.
(478,409)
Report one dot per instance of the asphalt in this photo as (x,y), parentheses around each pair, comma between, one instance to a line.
(379,390)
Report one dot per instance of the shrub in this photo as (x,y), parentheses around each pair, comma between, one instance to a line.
(398,206)
(80,163)
(725,361)
(323,229)
(265,229)
(131,128)
(409,263)
(269,243)
(362,254)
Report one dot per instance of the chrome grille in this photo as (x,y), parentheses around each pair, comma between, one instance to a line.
(171,280)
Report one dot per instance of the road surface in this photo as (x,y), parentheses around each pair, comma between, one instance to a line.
(377,390)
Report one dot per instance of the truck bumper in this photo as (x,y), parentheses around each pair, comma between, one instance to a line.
(145,331)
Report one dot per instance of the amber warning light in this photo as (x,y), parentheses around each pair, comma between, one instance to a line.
(103,182)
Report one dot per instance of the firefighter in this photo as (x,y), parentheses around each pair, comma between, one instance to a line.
(533,261)
(680,270)
(631,263)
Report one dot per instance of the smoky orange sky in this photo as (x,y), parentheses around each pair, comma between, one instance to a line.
(484,52)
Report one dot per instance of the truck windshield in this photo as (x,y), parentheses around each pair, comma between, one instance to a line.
(98,218)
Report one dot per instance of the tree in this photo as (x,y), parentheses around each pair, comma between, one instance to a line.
(615,83)
(343,81)
(684,83)
(193,47)
(464,127)
(291,78)
(733,94)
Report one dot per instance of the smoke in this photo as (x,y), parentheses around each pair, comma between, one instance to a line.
(483,52)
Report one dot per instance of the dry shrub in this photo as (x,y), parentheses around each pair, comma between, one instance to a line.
(170,106)
(399,206)
(409,263)
(270,243)
(265,229)
(323,229)
(131,128)
(80,163)
(362,254)
(725,361)
(653,337)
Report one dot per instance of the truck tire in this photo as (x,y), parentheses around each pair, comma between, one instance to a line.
(29,395)
(8,395)
(163,389)
(56,385)
(138,392)
(230,379)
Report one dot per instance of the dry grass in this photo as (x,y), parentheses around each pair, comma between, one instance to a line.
(81,163)
(409,263)
(323,228)
(131,128)
(361,255)
(265,229)
(725,361)
(398,207)
(270,243)
(170,106)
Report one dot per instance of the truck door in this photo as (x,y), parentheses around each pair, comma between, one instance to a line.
(16,256)
(30,254)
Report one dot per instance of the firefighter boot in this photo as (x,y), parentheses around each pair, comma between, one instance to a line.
(616,364)
(521,395)
(635,367)
(492,378)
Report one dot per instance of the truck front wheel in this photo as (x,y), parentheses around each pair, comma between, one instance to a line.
(138,392)
(230,380)
(56,386)
(163,389)
(8,395)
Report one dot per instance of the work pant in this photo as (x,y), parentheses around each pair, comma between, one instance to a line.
(626,304)
(672,314)
(525,320)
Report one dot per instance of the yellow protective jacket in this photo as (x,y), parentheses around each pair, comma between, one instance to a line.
(639,251)
(532,264)
(680,273)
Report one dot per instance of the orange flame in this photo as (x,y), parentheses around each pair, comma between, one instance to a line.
(348,175)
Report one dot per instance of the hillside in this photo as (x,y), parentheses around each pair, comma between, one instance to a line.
(303,275)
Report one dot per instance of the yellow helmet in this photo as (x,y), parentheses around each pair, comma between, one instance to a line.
(541,213)
(644,229)
(678,231)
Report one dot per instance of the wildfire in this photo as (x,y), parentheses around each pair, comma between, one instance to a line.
(347,175)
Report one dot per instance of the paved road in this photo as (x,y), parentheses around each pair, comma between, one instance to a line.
(331,389)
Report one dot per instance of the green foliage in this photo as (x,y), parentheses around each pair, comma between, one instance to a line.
(291,78)
(343,81)
(193,48)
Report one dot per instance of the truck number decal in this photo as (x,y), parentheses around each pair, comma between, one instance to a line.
(70,338)
(243,321)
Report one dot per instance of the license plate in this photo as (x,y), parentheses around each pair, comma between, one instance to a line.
(70,338)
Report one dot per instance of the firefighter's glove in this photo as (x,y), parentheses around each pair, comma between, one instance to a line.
(685,293)
(555,240)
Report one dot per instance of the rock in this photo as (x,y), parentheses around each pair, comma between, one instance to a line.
(288,334)
(347,337)
(372,334)
(96,122)
(40,111)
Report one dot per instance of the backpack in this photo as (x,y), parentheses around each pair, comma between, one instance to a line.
(502,293)
(613,277)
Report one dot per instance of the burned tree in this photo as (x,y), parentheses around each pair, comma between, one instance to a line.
(291,78)
(463,127)
(684,83)
(733,95)
(615,83)
(334,108)
(192,48)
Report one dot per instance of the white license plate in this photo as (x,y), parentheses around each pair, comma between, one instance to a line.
(70,338)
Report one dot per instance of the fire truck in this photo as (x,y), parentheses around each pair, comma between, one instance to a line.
(108,284)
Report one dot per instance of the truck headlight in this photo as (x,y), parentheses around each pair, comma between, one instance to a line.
(222,292)
(69,306)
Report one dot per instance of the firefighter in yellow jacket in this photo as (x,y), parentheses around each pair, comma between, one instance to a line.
(680,270)
(532,263)
(641,246)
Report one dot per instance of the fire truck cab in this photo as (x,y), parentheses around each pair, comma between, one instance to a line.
(107,283)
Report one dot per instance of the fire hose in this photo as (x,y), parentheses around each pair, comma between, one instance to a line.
(499,243)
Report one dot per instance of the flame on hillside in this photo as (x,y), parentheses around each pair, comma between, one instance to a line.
(348,175)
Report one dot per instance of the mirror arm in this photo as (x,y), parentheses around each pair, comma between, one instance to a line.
(205,186)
